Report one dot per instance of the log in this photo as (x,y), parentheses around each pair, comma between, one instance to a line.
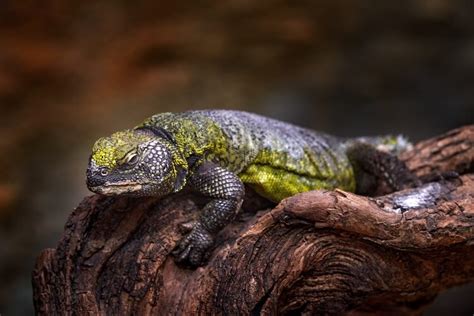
(320,252)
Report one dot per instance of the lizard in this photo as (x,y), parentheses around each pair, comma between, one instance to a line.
(216,152)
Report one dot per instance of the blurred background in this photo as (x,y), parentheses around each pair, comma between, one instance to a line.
(71,71)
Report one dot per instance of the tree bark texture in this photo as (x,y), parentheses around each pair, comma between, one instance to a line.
(320,252)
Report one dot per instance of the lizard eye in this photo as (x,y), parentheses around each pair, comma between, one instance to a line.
(131,158)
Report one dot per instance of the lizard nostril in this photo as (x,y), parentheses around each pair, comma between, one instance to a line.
(104,172)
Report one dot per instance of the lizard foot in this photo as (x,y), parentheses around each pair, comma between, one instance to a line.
(192,248)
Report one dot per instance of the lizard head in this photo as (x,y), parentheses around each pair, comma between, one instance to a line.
(135,162)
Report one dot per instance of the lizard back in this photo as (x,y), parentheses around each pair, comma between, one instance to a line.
(277,159)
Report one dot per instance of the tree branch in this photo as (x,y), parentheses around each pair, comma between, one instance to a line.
(318,252)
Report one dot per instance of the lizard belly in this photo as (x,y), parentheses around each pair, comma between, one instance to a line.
(277,182)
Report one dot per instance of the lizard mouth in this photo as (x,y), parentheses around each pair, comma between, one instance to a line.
(118,188)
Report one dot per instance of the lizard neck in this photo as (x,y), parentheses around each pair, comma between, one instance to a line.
(193,135)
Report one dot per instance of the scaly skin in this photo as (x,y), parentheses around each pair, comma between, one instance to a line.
(216,151)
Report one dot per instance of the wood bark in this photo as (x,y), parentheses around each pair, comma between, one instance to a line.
(320,252)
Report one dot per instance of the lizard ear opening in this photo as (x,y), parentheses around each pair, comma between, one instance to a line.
(181,174)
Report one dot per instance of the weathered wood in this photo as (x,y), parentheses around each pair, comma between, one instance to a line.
(322,252)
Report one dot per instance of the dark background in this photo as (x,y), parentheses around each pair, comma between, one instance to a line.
(71,72)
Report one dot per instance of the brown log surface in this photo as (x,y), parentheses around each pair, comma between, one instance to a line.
(324,252)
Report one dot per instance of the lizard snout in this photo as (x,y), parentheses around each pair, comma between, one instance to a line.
(95,176)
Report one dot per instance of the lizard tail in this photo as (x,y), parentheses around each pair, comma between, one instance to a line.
(389,143)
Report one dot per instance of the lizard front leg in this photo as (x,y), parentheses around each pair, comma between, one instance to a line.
(227,192)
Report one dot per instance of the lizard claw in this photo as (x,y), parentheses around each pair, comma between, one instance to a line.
(186,227)
(192,248)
